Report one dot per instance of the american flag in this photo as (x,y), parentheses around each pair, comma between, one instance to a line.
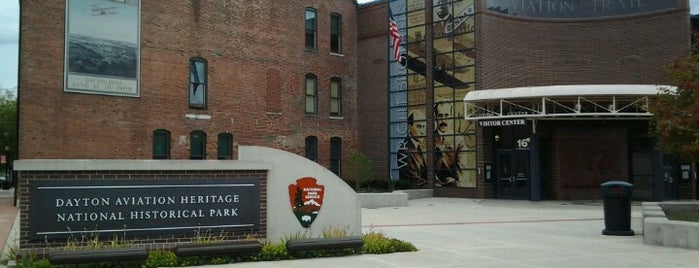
(395,36)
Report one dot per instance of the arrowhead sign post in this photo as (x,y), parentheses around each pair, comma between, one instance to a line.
(306,198)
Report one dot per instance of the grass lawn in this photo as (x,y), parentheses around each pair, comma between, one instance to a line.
(682,215)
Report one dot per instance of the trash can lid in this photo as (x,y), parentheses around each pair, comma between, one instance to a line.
(616,183)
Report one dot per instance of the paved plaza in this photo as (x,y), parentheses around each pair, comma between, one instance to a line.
(455,232)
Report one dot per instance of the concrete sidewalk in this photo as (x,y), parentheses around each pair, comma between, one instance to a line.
(8,218)
(455,232)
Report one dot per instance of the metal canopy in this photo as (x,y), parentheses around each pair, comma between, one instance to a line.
(562,101)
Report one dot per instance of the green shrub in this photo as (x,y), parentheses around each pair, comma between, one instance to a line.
(221,260)
(402,246)
(378,243)
(191,261)
(31,261)
(161,258)
(402,184)
(374,243)
(43,263)
(359,169)
(273,252)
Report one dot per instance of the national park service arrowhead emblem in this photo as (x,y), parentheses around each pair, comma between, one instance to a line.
(306,198)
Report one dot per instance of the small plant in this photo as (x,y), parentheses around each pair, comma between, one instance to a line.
(374,243)
(221,260)
(190,261)
(11,254)
(93,241)
(335,232)
(31,261)
(378,243)
(273,252)
(161,258)
(207,237)
(303,235)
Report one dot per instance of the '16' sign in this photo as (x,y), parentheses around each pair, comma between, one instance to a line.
(523,144)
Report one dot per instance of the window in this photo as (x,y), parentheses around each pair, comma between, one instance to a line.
(335,155)
(335,97)
(197,149)
(197,83)
(225,146)
(310,28)
(335,33)
(311,92)
(161,144)
(312,148)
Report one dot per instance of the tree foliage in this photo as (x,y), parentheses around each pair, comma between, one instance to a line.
(676,110)
(8,124)
(358,170)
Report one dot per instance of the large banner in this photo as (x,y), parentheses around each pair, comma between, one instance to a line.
(102,47)
(453,30)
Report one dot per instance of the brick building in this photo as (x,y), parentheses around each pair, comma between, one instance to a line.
(204,75)
(543,99)
(321,79)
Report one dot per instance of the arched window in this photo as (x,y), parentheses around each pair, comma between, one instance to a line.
(311,28)
(312,148)
(311,93)
(335,33)
(161,144)
(335,155)
(225,146)
(335,96)
(197,143)
(197,83)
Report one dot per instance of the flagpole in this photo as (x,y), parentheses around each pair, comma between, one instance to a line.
(429,93)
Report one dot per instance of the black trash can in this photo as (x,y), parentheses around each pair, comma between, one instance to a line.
(617,207)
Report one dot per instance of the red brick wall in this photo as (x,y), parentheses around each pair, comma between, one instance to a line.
(513,52)
(585,157)
(257,61)
(372,87)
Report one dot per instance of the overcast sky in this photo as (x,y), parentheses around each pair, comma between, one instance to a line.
(9,36)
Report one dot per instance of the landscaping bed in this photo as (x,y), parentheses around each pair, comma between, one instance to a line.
(671,224)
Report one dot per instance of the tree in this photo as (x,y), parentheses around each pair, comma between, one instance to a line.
(676,110)
(8,124)
(358,170)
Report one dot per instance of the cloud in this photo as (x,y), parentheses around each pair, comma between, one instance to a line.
(9,42)
(9,22)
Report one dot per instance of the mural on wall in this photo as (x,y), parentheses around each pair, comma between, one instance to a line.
(453,30)
(102,47)
(306,198)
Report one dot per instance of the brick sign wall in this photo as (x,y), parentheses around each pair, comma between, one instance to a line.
(150,207)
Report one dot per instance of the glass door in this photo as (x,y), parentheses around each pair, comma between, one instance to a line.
(512,174)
